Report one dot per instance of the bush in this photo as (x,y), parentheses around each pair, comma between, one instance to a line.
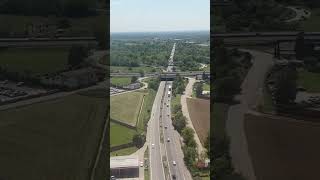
(138,140)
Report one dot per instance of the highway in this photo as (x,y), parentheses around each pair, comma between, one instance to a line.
(161,121)
(155,156)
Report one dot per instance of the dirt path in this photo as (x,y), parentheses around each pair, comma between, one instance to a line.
(250,95)
(185,112)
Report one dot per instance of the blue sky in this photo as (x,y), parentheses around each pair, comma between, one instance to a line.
(159,15)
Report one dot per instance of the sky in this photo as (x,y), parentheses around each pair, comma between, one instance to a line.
(159,15)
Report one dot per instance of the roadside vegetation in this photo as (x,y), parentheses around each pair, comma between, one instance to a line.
(231,66)
(179,122)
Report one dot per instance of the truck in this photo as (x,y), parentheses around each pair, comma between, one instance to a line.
(169,92)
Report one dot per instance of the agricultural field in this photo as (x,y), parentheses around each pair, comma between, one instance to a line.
(199,111)
(283,148)
(120,134)
(56,139)
(34,61)
(126,107)
(120,81)
(309,80)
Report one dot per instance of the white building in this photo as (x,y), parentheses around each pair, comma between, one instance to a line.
(124,166)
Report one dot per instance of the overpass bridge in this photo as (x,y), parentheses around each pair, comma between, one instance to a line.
(163,75)
(261,38)
(273,39)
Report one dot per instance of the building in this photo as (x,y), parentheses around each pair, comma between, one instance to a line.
(132,86)
(124,166)
(72,79)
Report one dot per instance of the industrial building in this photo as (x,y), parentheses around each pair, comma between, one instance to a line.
(124,166)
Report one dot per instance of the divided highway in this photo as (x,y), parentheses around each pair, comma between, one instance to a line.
(161,121)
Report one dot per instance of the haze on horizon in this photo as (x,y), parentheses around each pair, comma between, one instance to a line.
(159,15)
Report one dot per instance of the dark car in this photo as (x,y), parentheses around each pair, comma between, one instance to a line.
(173,176)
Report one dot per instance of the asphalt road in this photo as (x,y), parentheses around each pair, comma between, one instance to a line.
(250,95)
(156,165)
(170,140)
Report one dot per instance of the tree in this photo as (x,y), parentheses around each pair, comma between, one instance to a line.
(188,136)
(77,54)
(138,140)
(199,89)
(286,90)
(179,121)
(134,79)
(299,47)
(141,72)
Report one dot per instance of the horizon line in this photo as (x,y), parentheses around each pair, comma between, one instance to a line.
(158,31)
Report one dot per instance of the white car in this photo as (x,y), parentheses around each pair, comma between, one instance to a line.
(152,146)
(174,163)
(141,164)
(168,140)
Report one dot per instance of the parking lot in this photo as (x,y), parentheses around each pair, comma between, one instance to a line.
(10,91)
(115,90)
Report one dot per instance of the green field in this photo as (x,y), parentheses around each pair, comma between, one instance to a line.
(309,80)
(120,134)
(120,81)
(126,107)
(206,87)
(312,23)
(34,60)
(124,152)
(56,139)
(124,69)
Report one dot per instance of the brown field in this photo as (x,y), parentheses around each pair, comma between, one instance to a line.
(283,148)
(199,111)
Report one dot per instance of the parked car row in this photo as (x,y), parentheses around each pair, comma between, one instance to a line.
(11,92)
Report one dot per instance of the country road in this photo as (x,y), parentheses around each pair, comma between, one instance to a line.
(250,95)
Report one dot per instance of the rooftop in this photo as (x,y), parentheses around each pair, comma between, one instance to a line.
(124,161)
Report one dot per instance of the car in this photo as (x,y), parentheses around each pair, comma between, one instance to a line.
(112,178)
(174,176)
(165,127)
(168,115)
(141,164)
(152,146)
(168,140)
(167,105)
(174,163)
